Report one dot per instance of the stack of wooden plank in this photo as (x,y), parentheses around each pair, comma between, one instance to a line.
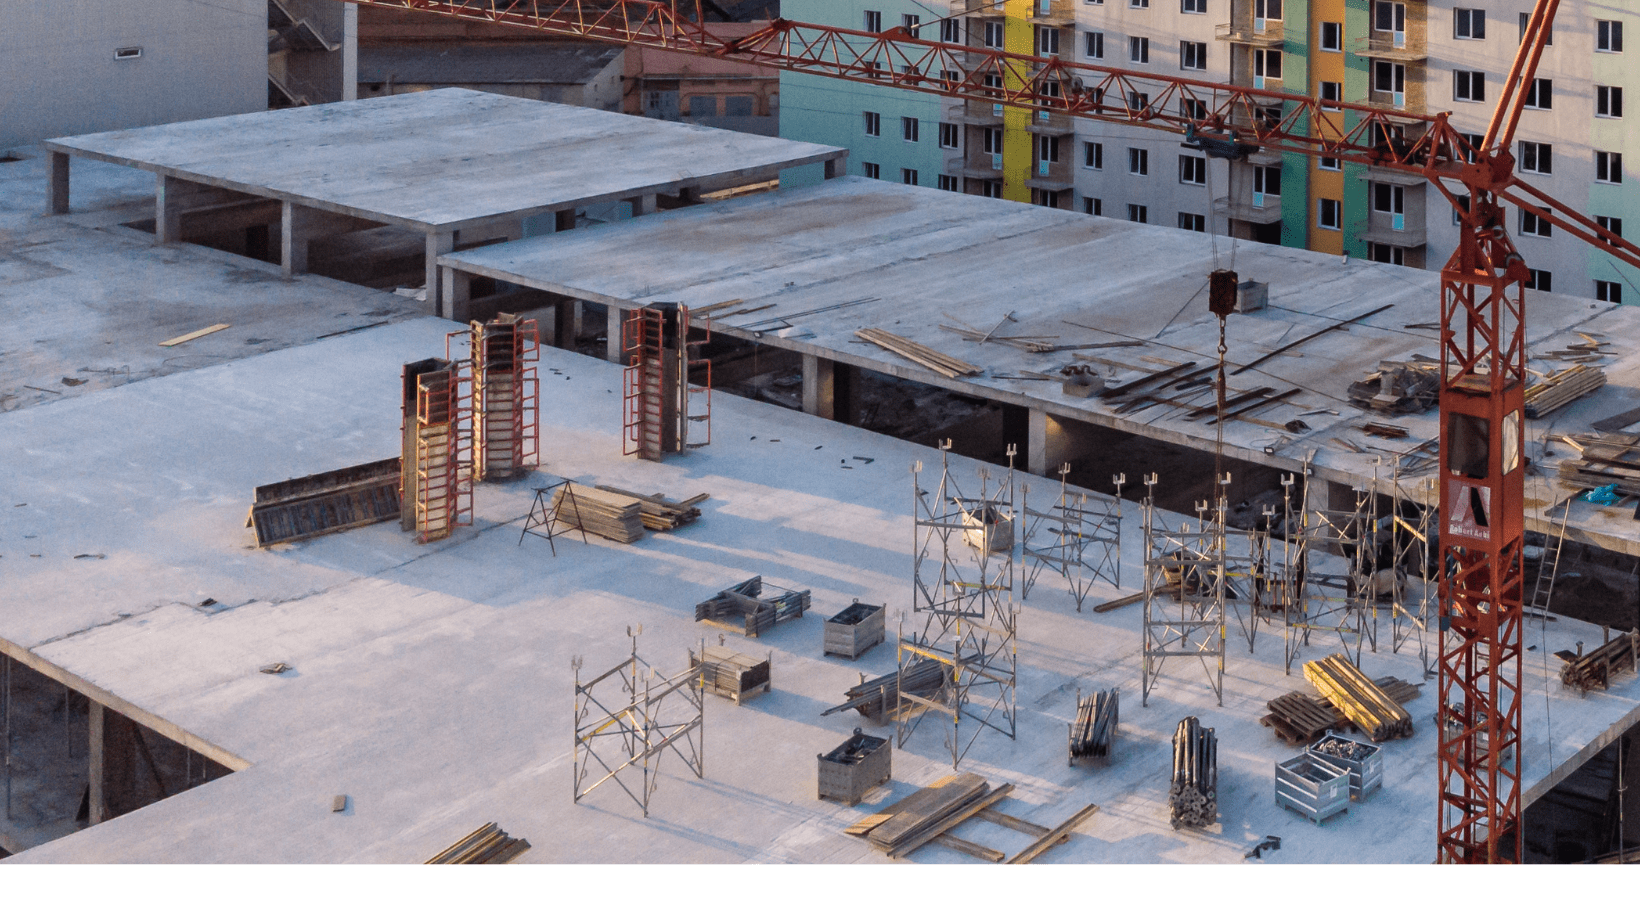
(1299,719)
(948,366)
(879,697)
(1377,715)
(489,844)
(1095,726)
(739,608)
(928,815)
(658,513)
(1193,797)
(1607,458)
(1562,388)
(598,511)
(1597,667)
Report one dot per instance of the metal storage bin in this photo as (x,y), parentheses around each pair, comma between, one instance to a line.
(1364,762)
(1311,788)
(730,674)
(854,767)
(855,630)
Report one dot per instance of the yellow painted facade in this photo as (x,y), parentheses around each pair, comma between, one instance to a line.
(1324,184)
(1017,154)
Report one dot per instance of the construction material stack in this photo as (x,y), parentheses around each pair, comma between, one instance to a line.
(1359,699)
(658,513)
(506,407)
(1363,762)
(1095,726)
(855,631)
(739,609)
(928,815)
(488,844)
(1194,796)
(1313,788)
(1585,672)
(437,461)
(854,768)
(600,512)
(878,698)
(330,502)
(730,674)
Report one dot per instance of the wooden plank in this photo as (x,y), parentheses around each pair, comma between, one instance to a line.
(1054,836)
(938,826)
(195,335)
(1307,338)
(969,847)
(861,827)
(941,799)
(1009,821)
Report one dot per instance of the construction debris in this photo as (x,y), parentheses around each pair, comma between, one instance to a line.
(730,674)
(1094,730)
(1081,381)
(879,698)
(1608,459)
(1562,388)
(488,844)
(1307,338)
(854,768)
(1617,421)
(1377,715)
(928,815)
(1363,762)
(1586,671)
(1398,388)
(1193,798)
(739,609)
(1299,719)
(856,630)
(177,341)
(1384,430)
(948,366)
(658,513)
(599,511)
(1038,344)
(329,502)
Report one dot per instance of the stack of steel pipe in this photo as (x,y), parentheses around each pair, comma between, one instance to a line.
(1194,795)
(1095,725)
(876,697)
(1596,668)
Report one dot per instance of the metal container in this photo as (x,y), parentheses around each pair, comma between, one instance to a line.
(1311,788)
(853,768)
(1366,767)
(855,630)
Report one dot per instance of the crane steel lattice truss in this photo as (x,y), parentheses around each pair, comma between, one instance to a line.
(1482,334)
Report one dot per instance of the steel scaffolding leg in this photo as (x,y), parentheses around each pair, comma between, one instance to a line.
(1079,537)
(1184,567)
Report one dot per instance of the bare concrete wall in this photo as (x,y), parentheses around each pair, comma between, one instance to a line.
(59,76)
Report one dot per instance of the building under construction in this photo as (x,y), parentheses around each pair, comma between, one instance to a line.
(177,673)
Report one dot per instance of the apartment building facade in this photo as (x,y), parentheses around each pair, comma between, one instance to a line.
(1575,141)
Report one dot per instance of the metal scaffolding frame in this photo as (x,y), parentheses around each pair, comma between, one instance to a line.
(650,714)
(963,572)
(1183,567)
(1084,541)
(1335,597)
(1416,600)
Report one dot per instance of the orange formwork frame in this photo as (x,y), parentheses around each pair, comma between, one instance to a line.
(663,379)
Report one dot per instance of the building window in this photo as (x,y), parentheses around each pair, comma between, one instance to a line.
(1331,92)
(871,170)
(1329,163)
(1192,170)
(1537,157)
(1468,24)
(1608,36)
(1332,36)
(1138,161)
(1389,17)
(1047,148)
(1267,9)
(1047,197)
(951,31)
(948,182)
(1193,56)
(908,176)
(1093,155)
(874,21)
(1385,253)
(1192,6)
(1267,180)
(1189,221)
(1093,45)
(993,83)
(874,123)
(1139,213)
(1541,280)
(1548,34)
(991,140)
(1608,291)
(1047,41)
(1535,226)
(950,78)
(1475,142)
(703,107)
(1613,225)
(1138,102)
(1139,4)
(1541,94)
(1388,198)
(1608,102)
(912,22)
(1267,63)
(1608,167)
(1139,50)
(1469,86)
(908,128)
(1193,109)
(1388,77)
(990,189)
(1329,214)
(1093,206)
(1459,212)
(950,134)
(993,34)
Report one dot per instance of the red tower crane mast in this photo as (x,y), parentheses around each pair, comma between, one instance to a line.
(1483,334)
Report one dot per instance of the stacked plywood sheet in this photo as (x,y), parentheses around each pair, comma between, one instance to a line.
(658,513)
(1611,458)
(1377,715)
(600,512)
(730,674)
(1562,388)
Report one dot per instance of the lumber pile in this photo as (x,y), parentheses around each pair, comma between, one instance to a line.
(657,513)
(878,697)
(1591,349)
(1043,343)
(1597,667)
(948,366)
(598,511)
(1193,798)
(1608,458)
(1095,726)
(928,815)
(730,674)
(1562,388)
(489,844)
(740,609)
(1360,700)
(1300,720)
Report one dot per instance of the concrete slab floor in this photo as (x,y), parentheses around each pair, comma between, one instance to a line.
(432,683)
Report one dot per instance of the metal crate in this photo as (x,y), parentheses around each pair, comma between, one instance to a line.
(855,630)
(1366,769)
(854,767)
(1311,788)
(730,674)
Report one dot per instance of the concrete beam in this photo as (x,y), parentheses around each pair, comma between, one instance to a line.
(837,166)
(99,792)
(439,243)
(57,188)
(642,205)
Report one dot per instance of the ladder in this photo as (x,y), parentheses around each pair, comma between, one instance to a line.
(1549,565)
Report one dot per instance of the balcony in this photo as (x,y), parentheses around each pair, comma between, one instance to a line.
(1259,209)
(1390,46)
(982,166)
(1048,122)
(1395,230)
(978,7)
(1244,33)
(974,112)
(1050,174)
(1052,13)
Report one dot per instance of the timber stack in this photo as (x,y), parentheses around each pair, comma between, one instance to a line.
(1585,672)
(1299,719)
(879,697)
(1611,458)
(1194,795)
(600,512)
(1095,726)
(948,366)
(488,844)
(1562,388)
(1360,700)
(660,514)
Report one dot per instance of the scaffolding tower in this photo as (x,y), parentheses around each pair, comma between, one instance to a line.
(1336,587)
(436,467)
(1412,526)
(628,717)
(503,355)
(1184,590)
(1079,537)
(665,379)
(963,576)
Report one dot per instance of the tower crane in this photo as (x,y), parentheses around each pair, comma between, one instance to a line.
(1483,334)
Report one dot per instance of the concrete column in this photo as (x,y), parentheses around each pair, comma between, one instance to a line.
(613,349)
(350,51)
(57,189)
(99,795)
(566,322)
(819,387)
(836,167)
(168,193)
(642,205)
(439,243)
(457,294)
(564,220)
(1048,446)
(1016,431)
(845,394)
(295,230)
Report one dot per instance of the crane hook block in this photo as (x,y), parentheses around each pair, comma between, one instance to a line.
(1221,292)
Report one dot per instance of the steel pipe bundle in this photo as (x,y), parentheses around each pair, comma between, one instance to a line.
(1095,726)
(1194,795)
(1596,668)
(874,698)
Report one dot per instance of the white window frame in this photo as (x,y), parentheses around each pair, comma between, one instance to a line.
(1138,213)
(1047,41)
(950,136)
(1466,83)
(1092,206)
(910,129)
(1093,46)
(1192,170)
(1540,95)
(993,30)
(1093,155)
(870,170)
(1192,56)
(873,21)
(948,183)
(1138,162)
(1337,35)
(1192,6)
(1533,226)
(1608,291)
(873,124)
(1468,23)
(908,176)
(1608,36)
(1139,50)
(1608,102)
(1331,91)
(1190,221)
(1337,214)
(1542,155)
(1540,280)
(1609,163)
